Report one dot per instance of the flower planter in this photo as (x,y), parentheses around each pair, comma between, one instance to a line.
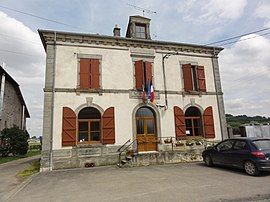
(179,144)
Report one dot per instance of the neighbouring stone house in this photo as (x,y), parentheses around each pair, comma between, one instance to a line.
(13,110)
(101,91)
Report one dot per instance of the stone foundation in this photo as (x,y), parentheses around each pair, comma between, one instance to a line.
(101,155)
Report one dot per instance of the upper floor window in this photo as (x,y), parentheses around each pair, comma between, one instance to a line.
(143,74)
(194,78)
(140,31)
(89,73)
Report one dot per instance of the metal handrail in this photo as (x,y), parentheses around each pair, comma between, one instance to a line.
(123,145)
(125,148)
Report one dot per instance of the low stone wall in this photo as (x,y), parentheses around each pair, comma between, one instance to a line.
(102,155)
(77,157)
(165,157)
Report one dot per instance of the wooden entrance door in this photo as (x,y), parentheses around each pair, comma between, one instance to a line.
(146,136)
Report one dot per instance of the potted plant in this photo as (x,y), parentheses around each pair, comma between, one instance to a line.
(179,143)
(130,152)
(189,142)
(199,141)
(168,140)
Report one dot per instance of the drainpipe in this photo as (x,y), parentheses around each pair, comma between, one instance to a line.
(2,91)
(52,106)
(164,80)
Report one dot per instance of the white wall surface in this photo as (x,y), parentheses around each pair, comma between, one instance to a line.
(118,73)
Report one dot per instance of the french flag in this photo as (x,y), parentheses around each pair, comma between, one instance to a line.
(151,92)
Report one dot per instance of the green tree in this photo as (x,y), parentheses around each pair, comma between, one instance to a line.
(13,141)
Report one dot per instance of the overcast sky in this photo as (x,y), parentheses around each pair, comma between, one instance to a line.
(244,65)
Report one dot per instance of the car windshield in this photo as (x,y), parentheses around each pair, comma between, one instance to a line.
(262,144)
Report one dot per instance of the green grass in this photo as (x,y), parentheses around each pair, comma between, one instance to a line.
(30,170)
(12,158)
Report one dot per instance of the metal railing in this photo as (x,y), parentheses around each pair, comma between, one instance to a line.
(124,148)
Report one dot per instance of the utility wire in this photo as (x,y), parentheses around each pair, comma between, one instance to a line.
(19,39)
(17,53)
(244,39)
(238,36)
(39,17)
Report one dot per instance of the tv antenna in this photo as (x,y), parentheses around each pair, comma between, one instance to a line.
(144,10)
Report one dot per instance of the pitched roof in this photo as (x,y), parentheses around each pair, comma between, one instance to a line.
(16,87)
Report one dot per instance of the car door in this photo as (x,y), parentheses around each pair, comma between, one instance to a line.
(239,153)
(221,155)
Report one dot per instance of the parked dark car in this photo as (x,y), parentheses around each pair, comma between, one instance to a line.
(250,154)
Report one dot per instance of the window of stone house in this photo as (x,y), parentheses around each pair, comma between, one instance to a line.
(89,125)
(193,121)
(140,31)
(194,78)
(89,73)
(143,74)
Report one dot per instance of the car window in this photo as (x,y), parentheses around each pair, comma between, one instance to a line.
(225,146)
(262,144)
(240,145)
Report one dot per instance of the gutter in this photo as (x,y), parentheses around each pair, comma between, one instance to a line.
(52,107)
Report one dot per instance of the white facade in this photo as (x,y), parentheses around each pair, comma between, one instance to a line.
(119,74)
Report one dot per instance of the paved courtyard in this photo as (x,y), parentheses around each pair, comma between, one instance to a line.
(8,174)
(178,182)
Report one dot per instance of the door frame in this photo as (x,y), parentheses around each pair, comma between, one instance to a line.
(157,121)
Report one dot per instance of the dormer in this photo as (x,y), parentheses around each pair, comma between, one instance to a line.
(138,27)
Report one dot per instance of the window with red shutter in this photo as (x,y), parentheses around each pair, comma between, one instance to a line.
(209,126)
(194,78)
(108,126)
(187,75)
(68,127)
(139,74)
(201,78)
(94,74)
(143,74)
(89,73)
(84,73)
(179,121)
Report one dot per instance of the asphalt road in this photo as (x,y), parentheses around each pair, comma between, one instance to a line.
(8,171)
(178,182)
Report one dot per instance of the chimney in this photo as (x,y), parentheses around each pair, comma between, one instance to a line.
(116,31)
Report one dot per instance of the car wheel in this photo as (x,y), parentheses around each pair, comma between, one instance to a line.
(208,161)
(251,168)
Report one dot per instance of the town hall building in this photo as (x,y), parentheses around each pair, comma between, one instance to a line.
(104,91)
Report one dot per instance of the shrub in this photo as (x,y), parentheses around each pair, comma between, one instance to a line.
(13,141)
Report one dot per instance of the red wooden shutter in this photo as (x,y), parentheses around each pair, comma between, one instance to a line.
(187,77)
(201,78)
(84,73)
(108,127)
(139,74)
(179,121)
(148,72)
(94,73)
(209,123)
(68,127)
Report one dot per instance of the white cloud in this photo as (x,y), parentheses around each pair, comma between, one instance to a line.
(263,11)
(245,71)
(21,50)
(213,11)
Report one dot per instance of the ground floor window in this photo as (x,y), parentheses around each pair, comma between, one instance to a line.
(89,129)
(193,121)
